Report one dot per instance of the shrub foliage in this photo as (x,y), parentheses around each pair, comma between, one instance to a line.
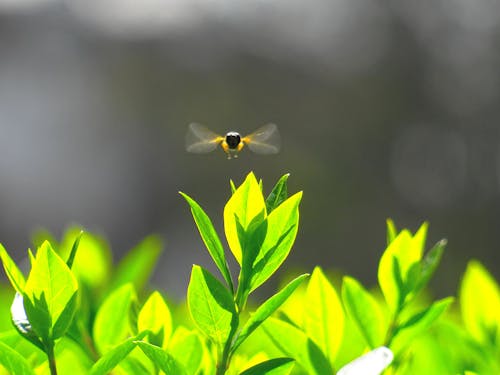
(75,312)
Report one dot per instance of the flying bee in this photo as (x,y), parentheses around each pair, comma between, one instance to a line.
(264,140)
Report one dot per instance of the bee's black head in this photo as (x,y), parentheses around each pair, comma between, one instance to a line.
(233,139)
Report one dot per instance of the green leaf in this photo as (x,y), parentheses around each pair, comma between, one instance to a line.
(364,311)
(295,344)
(155,317)
(251,240)
(92,263)
(15,276)
(211,306)
(64,321)
(278,195)
(136,363)
(430,262)
(210,238)
(74,249)
(392,231)
(401,256)
(232,185)
(39,317)
(266,309)
(113,319)
(419,322)
(14,362)
(138,264)
(35,356)
(480,304)
(114,356)
(162,359)
(52,287)
(324,315)
(246,203)
(276,366)
(186,347)
(70,358)
(282,226)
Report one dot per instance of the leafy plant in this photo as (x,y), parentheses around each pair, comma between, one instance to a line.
(76,312)
(260,233)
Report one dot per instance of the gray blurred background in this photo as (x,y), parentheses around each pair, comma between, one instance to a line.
(386,109)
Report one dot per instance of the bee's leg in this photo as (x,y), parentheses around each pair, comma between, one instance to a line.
(225,147)
(240,146)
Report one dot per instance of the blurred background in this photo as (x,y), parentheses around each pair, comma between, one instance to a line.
(385,108)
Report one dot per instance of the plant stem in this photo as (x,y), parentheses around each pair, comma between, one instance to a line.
(392,326)
(49,349)
(223,364)
(225,357)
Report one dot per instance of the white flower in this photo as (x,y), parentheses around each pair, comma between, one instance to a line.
(18,314)
(372,363)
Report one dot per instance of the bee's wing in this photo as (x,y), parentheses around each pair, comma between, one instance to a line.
(200,139)
(265,140)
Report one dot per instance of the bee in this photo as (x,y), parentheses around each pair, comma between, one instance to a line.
(264,140)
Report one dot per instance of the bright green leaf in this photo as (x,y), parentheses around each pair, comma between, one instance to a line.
(7,294)
(278,195)
(430,262)
(210,238)
(419,322)
(39,318)
(138,264)
(211,306)
(137,363)
(283,224)
(392,231)
(266,309)
(52,281)
(364,311)
(323,315)
(74,249)
(113,319)
(62,323)
(155,316)
(34,355)
(294,343)
(480,304)
(92,263)
(114,356)
(165,361)
(276,366)
(187,348)
(14,362)
(70,359)
(403,252)
(246,203)
(250,240)
(31,257)
(15,276)
(232,186)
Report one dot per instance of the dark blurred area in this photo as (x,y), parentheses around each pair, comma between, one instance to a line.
(385,108)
